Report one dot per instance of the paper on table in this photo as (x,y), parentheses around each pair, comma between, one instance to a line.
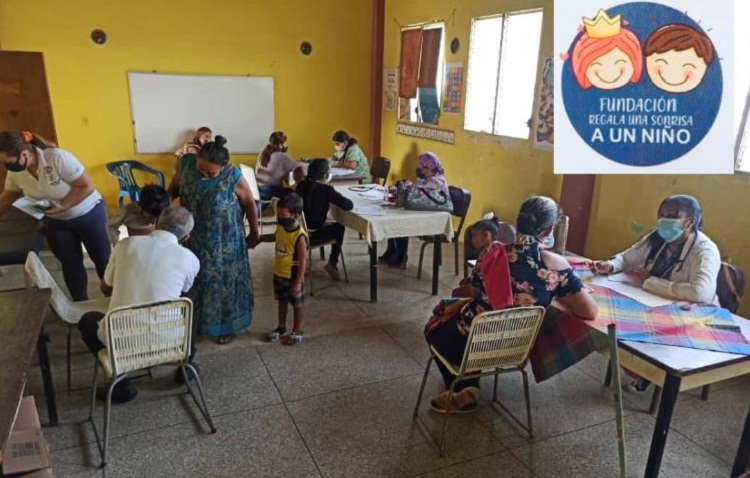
(371,210)
(373,194)
(342,171)
(27,205)
(617,283)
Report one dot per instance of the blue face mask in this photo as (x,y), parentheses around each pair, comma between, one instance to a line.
(286,222)
(420,174)
(669,229)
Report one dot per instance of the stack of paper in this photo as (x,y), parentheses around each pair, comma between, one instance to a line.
(373,195)
(342,172)
(370,211)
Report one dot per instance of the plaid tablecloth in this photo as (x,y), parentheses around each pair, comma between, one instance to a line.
(564,339)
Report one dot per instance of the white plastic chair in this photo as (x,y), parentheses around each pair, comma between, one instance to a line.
(499,342)
(143,336)
(249,174)
(322,256)
(68,311)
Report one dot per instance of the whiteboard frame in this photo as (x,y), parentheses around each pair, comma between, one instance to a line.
(255,149)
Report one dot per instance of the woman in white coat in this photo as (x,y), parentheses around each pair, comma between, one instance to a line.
(676,260)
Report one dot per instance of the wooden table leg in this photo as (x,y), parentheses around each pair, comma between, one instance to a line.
(668,399)
(742,459)
(374,272)
(436,256)
(49,387)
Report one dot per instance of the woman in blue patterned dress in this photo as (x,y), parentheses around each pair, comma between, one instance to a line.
(537,277)
(219,198)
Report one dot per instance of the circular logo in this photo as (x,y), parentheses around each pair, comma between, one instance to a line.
(642,83)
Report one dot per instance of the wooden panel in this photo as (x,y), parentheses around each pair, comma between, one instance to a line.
(575,200)
(24,96)
(376,77)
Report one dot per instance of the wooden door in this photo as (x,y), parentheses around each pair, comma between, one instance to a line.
(24,97)
(575,200)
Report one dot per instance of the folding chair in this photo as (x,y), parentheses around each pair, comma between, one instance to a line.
(68,311)
(461,199)
(321,245)
(140,337)
(499,342)
(123,171)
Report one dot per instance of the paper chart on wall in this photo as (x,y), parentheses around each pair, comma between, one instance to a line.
(453,87)
(617,283)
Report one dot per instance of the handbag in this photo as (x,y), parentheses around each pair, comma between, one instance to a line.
(421,198)
(402,187)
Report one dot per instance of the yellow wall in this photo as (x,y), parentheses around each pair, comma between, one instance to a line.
(315,95)
(499,172)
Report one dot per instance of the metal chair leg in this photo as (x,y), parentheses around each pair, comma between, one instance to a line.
(202,406)
(705,391)
(527,398)
(421,257)
(441,443)
(421,388)
(68,359)
(455,254)
(343,266)
(322,254)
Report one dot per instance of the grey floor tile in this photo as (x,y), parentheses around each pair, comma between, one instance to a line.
(715,424)
(592,452)
(261,442)
(332,362)
(368,431)
(493,466)
(409,334)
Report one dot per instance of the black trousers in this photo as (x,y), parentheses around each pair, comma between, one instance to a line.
(451,344)
(326,233)
(397,249)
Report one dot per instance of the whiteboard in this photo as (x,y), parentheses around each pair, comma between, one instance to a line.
(167,108)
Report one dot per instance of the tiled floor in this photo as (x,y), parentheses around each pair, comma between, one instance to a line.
(340,404)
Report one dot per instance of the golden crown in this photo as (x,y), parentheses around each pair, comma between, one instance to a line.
(602,25)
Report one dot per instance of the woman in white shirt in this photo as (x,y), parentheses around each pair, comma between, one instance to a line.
(74,212)
(274,165)
(676,260)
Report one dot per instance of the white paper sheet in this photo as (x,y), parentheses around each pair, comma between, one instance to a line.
(27,205)
(370,211)
(342,171)
(373,194)
(617,282)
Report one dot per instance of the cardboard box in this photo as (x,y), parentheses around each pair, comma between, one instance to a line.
(26,450)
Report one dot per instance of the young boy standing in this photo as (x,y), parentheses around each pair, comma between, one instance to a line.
(290,263)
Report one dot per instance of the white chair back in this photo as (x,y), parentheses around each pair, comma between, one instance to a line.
(501,338)
(249,174)
(42,279)
(149,334)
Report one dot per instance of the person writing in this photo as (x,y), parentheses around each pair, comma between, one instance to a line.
(348,154)
(676,260)
(74,213)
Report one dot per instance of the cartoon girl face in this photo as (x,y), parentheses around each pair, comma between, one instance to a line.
(676,71)
(610,71)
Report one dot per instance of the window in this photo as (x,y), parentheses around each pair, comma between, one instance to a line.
(502,73)
(421,73)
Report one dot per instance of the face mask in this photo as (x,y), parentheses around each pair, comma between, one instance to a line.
(16,167)
(286,222)
(328,178)
(549,241)
(669,229)
(339,148)
(420,174)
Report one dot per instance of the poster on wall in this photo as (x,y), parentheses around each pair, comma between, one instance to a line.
(390,89)
(545,117)
(453,87)
(643,87)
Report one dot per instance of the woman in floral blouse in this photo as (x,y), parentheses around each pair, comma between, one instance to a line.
(537,277)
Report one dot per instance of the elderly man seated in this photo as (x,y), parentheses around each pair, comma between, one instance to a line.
(144,269)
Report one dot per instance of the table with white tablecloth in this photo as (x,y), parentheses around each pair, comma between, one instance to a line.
(377,224)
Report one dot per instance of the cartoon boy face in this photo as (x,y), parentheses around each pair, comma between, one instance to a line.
(610,71)
(676,71)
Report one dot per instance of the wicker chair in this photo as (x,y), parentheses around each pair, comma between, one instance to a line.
(68,311)
(140,337)
(499,342)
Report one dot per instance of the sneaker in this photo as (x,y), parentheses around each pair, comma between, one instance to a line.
(179,377)
(123,392)
(332,271)
(464,401)
(275,334)
(292,338)
(640,385)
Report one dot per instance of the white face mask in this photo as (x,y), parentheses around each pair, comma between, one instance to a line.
(329,177)
(549,241)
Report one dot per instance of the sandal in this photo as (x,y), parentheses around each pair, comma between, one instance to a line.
(292,338)
(275,334)
(332,271)
(225,339)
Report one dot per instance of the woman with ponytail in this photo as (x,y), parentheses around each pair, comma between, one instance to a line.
(274,165)
(74,212)
(220,200)
(347,154)
(318,196)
